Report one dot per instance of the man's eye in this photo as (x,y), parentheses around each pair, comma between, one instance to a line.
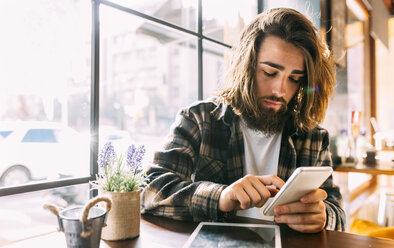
(295,80)
(269,74)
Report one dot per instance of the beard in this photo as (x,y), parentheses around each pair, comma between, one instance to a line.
(268,120)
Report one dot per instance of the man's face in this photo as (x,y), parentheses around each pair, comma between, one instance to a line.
(280,67)
(279,72)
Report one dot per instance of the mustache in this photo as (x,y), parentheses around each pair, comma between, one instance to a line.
(272,98)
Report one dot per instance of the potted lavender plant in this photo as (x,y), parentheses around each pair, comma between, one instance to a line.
(121,181)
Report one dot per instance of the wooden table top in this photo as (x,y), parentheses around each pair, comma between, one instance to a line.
(158,232)
(163,232)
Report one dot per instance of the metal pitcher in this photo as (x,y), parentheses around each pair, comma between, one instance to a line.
(82,225)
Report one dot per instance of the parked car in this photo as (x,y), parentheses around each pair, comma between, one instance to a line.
(34,150)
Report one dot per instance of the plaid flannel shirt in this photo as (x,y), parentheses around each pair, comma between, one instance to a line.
(205,152)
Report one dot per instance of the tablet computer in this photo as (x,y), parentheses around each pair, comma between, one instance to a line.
(303,181)
(218,234)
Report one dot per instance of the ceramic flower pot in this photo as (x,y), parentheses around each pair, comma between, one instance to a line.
(123,221)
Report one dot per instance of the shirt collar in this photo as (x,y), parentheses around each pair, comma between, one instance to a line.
(224,112)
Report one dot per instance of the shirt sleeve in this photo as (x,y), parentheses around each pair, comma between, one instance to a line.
(334,212)
(335,217)
(171,191)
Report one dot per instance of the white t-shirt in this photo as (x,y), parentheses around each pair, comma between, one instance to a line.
(261,158)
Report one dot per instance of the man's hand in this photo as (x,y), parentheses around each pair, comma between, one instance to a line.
(306,215)
(249,191)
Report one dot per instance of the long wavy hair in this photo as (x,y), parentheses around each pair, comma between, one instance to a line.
(309,104)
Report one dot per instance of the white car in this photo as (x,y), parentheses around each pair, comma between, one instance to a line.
(35,150)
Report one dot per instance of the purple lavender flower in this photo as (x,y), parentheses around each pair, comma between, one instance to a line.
(130,156)
(134,157)
(107,153)
(139,155)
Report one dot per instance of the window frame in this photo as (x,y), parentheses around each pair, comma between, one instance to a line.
(95,85)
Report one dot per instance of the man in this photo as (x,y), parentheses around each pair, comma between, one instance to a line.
(231,153)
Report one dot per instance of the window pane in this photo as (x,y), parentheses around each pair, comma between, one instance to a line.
(179,12)
(22,216)
(354,34)
(223,20)
(310,8)
(147,73)
(384,88)
(214,62)
(44,89)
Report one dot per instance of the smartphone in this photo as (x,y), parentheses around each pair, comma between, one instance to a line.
(303,181)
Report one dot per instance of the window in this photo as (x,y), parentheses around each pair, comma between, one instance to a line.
(213,66)
(45,80)
(151,58)
(137,92)
(226,25)
(44,89)
(182,13)
(385,109)
(310,8)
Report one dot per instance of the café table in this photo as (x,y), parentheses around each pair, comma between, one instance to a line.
(162,232)
(159,232)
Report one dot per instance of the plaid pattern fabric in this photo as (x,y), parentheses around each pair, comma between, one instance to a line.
(205,152)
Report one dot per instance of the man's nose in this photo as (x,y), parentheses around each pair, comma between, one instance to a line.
(278,88)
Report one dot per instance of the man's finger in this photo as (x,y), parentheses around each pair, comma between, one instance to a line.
(253,192)
(273,191)
(315,196)
(305,219)
(299,207)
(262,190)
(243,198)
(271,180)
